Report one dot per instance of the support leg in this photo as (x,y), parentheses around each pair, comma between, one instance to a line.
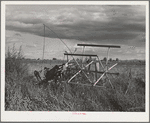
(96,71)
(82,56)
(106,67)
(67,58)
(89,65)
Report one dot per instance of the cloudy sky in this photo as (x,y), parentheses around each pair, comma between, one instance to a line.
(122,25)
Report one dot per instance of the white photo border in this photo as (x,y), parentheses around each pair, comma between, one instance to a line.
(69,116)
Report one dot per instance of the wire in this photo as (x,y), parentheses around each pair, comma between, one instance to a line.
(59,38)
(70,52)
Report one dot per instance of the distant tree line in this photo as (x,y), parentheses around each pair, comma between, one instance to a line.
(110,59)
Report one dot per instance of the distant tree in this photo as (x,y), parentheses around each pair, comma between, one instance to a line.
(110,59)
(54,59)
(77,59)
(85,60)
(94,59)
(104,59)
(117,59)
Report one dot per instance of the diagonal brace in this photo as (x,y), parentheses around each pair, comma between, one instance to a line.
(80,71)
(104,74)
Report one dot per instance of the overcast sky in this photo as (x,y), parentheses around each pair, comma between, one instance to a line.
(122,25)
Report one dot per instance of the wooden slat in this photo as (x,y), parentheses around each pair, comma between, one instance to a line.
(95,45)
(103,72)
(95,71)
(80,54)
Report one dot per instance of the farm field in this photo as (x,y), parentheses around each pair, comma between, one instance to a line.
(137,68)
(23,93)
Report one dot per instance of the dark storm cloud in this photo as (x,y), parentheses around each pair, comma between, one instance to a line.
(102,30)
(86,23)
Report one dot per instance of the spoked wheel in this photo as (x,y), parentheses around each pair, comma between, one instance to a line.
(40,81)
(37,75)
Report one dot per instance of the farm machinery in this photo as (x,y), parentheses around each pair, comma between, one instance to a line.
(87,72)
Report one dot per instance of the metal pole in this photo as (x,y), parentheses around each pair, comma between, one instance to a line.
(100,63)
(43,48)
(89,65)
(106,67)
(43,44)
(67,58)
(96,71)
(82,54)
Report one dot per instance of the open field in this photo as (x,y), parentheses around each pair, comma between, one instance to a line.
(23,94)
(136,67)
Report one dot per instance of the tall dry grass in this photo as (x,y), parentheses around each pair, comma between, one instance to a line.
(23,94)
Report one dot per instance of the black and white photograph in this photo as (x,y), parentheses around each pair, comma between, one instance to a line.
(72,61)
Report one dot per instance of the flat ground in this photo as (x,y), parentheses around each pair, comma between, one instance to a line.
(22,93)
(136,67)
